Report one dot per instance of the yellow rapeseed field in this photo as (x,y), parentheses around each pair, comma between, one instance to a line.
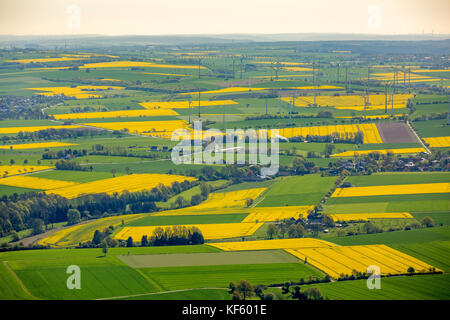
(37,145)
(392,190)
(320,87)
(351,102)
(15,169)
(231,202)
(131,183)
(272,244)
(264,214)
(38,60)
(369,216)
(168,74)
(404,78)
(226,90)
(209,231)
(117,114)
(438,142)
(343,260)
(34,129)
(297,69)
(285,63)
(230,199)
(127,64)
(284,76)
(72,236)
(431,70)
(161,129)
(31,182)
(79,92)
(378,116)
(382,151)
(110,79)
(184,104)
(370,131)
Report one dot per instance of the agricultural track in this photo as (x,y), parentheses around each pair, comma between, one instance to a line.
(19,281)
(161,292)
(418,138)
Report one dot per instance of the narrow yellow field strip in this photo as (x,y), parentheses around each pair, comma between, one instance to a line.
(272,244)
(117,114)
(34,129)
(382,151)
(15,169)
(185,104)
(209,231)
(31,182)
(264,214)
(369,216)
(37,145)
(392,190)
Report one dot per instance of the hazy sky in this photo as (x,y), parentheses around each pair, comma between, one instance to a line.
(118,17)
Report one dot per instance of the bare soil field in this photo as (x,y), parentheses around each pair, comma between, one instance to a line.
(396,132)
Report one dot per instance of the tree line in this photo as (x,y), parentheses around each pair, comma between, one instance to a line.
(37,210)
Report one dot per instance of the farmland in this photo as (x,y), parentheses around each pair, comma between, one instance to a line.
(91,173)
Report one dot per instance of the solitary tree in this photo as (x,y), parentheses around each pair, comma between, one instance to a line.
(427,222)
(104,246)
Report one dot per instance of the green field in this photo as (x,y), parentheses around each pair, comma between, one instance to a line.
(427,287)
(172,278)
(208,259)
(194,219)
(381,179)
(296,191)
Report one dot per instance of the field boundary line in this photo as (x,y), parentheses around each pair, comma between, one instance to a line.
(15,276)
(418,138)
(161,292)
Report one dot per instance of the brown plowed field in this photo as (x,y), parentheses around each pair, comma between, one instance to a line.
(395,132)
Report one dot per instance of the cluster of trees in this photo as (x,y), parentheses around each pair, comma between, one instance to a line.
(232,172)
(205,190)
(320,114)
(66,153)
(69,165)
(299,166)
(121,151)
(172,236)
(296,293)
(17,108)
(293,228)
(389,162)
(38,210)
(244,290)
(370,227)
(347,137)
